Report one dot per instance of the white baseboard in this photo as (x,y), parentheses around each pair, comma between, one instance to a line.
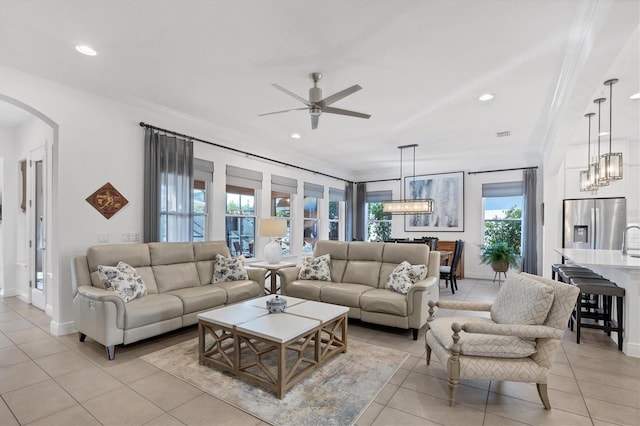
(632,349)
(8,292)
(48,309)
(60,329)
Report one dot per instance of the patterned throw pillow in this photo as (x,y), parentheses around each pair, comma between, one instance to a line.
(229,269)
(318,268)
(404,276)
(522,300)
(123,279)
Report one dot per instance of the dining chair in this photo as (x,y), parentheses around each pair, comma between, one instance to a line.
(448,272)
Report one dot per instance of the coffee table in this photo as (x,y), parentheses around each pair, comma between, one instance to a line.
(272,350)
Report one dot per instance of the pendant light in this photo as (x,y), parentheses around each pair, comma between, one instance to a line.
(610,163)
(595,166)
(403,205)
(585,179)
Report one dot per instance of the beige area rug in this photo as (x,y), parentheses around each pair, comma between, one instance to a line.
(335,394)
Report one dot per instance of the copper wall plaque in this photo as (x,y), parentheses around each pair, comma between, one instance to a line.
(107,200)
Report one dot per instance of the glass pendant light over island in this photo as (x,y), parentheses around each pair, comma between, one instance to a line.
(403,205)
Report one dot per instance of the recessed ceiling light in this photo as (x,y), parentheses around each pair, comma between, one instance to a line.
(86,50)
(295,135)
(635,96)
(485,97)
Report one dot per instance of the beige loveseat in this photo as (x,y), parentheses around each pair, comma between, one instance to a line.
(177,277)
(359,272)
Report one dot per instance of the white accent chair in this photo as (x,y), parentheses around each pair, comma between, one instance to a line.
(518,343)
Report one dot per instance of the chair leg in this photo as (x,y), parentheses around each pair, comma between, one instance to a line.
(415,333)
(428,354)
(619,306)
(82,336)
(111,352)
(544,397)
(453,386)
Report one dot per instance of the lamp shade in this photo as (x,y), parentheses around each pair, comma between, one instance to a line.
(273,227)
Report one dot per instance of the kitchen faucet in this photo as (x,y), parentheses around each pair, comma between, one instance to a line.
(624,238)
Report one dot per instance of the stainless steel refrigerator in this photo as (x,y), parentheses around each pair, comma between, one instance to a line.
(594,223)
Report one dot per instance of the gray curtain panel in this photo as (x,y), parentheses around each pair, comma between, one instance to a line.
(168,179)
(529,228)
(360,212)
(348,211)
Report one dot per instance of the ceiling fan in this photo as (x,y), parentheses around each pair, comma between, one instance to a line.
(317,105)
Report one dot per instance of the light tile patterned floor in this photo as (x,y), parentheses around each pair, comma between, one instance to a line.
(49,380)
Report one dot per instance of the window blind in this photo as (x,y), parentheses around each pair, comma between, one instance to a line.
(238,176)
(502,189)
(284,184)
(313,190)
(202,170)
(336,194)
(378,196)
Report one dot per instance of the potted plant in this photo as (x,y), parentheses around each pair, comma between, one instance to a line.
(500,256)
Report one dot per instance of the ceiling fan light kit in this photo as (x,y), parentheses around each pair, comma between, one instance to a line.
(316,104)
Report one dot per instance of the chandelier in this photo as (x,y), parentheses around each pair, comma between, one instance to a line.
(606,167)
(403,205)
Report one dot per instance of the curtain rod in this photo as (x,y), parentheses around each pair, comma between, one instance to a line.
(378,180)
(282,163)
(503,170)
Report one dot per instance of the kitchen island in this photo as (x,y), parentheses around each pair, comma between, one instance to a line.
(625,272)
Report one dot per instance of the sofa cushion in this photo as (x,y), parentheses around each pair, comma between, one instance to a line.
(315,268)
(519,291)
(173,277)
(169,253)
(195,299)
(123,280)
(362,272)
(338,250)
(306,289)
(207,250)
(345,294)
(477,344)
(229,269)
(384,301)
(241,290)
(151,309)
(136,255)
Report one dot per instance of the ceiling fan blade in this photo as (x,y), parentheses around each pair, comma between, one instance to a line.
(314,121)
(300,98)
(280,112)
(333,110)
(337,96)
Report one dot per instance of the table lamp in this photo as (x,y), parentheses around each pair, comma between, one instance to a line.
(273,228)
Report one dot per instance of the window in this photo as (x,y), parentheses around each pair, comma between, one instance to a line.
(281,207)
(202,174)
(334,220)
(336,212)
(240,220)
(199,232)
(502,214)
(378,223)
(310,224)
(282,190)
(312,193)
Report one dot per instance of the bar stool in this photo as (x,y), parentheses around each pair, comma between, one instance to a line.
(599,288)
(566,273)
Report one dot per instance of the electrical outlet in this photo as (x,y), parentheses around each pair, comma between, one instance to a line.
(135,237)
(103,237)
(124,237)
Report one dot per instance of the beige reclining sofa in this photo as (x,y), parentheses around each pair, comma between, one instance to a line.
(359,272)
(178,280)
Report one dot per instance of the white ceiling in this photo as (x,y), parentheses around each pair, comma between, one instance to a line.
(421,64)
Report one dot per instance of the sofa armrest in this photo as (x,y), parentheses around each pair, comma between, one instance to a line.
(104,296)
(459,305)
(417,298)
(519,330)
(257,275)
(286,276)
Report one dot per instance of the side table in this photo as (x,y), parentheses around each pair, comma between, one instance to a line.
(272,271)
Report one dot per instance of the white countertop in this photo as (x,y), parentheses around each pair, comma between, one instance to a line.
(600,257)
